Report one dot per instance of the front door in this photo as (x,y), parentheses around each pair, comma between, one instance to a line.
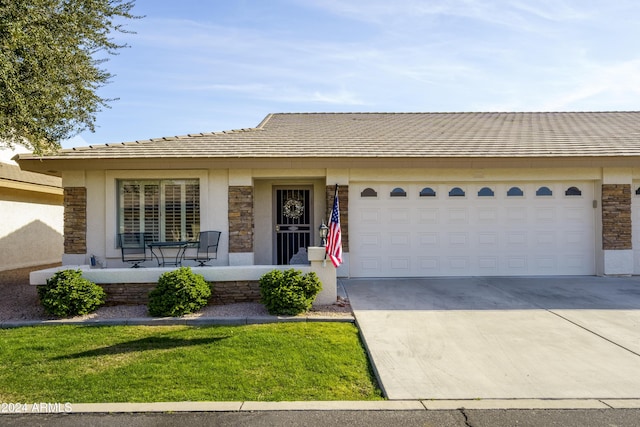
(293,207)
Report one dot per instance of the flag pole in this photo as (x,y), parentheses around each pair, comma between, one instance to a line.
(335,194)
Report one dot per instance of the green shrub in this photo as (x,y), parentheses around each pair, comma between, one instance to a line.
(289,292)
(179,292)
(67,293)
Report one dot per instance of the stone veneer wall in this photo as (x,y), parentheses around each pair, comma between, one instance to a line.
(240,219)
(223,292)
(75,220)
(343,200)
(616,216)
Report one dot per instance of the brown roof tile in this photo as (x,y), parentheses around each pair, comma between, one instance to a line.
(408,135)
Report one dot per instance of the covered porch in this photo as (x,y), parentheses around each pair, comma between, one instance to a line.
(231,283)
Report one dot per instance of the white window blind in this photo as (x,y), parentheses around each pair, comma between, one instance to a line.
(165,210)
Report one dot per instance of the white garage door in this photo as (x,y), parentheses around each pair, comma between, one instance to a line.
(490,229)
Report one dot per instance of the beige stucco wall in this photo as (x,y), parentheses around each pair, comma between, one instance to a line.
(30,230)
(474,174)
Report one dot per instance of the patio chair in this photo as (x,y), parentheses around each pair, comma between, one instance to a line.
(206,248)
(133,247)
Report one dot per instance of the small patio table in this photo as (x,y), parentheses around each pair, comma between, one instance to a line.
(160,255)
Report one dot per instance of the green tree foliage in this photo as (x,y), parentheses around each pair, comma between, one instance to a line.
(50,70)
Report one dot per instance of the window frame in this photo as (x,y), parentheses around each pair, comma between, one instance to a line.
(428,192)
(398,192)
(160,214)
(211,185)
(515,191)
(457,196)
(572,189)
(542,189)
(369,192)
(486,192)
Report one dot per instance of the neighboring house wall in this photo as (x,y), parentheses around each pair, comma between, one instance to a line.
(31,218)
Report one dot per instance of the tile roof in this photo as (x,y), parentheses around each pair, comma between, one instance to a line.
(14,173)
(397,135)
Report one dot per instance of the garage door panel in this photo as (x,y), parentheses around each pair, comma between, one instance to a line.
(370,241)
(457,216)
(400,240)
(574,213)
(398,216)
(516,215)
(546,265)
(488,266)
(516,239)
(473,235)
(401,266)
(575,262)
(370,266)
(575,238)
(370,216)
(429,240)
(429,216)
(545,215)
(428,266)
(487,215)
(459,265)
(517,265)
(488,240)
(456,240)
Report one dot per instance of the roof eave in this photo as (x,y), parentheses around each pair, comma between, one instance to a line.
(55,166)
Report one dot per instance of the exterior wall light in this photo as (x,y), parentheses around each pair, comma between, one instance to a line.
(323,231)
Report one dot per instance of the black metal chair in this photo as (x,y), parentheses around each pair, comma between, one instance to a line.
(206,248)
(133,247)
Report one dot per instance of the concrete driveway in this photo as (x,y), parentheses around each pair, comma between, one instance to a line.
(502,338)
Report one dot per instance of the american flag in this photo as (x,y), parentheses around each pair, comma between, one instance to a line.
(334,239)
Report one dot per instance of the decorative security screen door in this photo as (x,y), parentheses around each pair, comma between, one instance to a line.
(293,210)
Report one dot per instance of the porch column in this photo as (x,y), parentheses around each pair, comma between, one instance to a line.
(75,226)
(326,273)
(616,222)
(241,224)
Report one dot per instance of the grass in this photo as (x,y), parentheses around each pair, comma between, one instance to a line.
(273,362)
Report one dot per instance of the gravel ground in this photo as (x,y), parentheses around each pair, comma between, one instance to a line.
(19,301)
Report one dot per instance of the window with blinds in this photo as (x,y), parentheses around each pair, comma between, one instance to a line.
(165,210)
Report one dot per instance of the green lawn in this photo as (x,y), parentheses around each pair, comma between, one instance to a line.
(273,362)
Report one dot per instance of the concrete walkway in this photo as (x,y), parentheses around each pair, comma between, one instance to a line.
(502,338)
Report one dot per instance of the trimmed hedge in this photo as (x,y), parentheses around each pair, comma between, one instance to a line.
(179,292)
(289,292)
(67,293)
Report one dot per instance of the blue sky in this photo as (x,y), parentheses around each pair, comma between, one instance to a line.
(201,66)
